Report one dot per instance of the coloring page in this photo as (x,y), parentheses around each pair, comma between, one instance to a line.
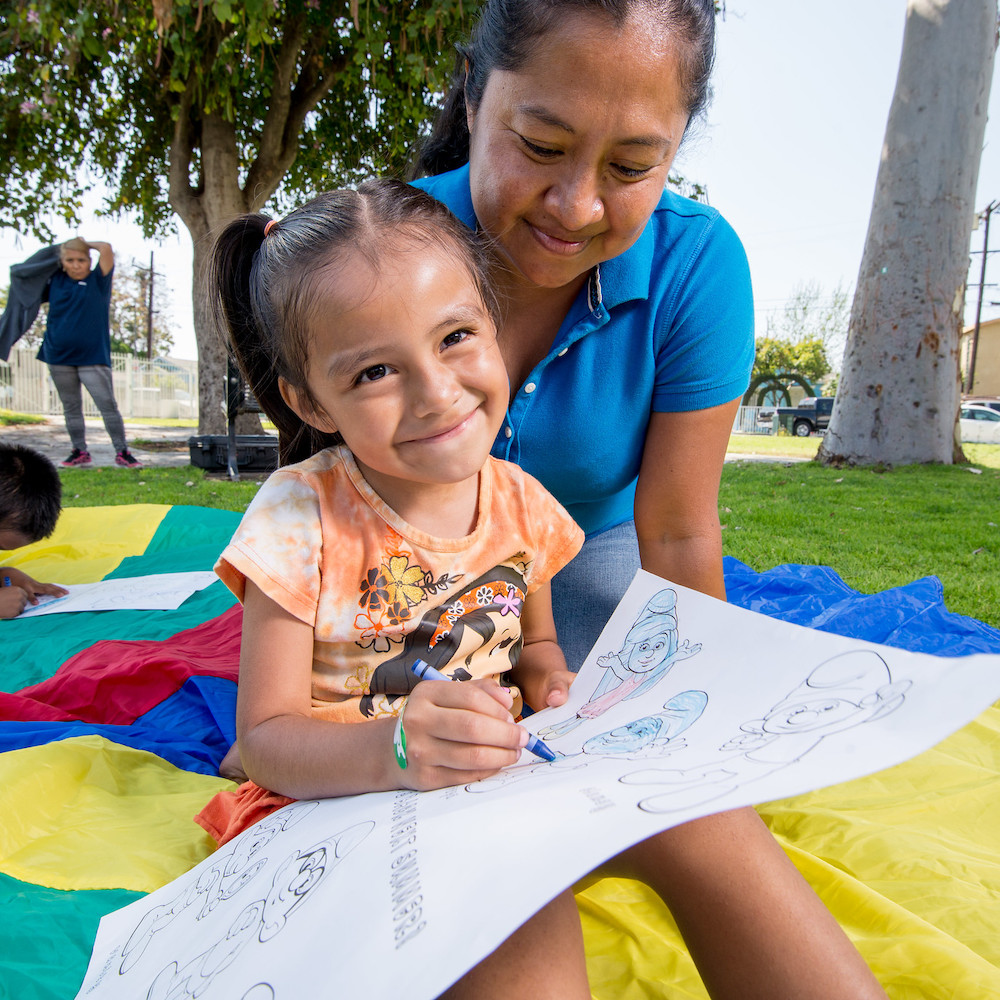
(686,706)
(158,592)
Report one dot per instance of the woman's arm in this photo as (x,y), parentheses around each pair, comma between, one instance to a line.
(455,733)
(677,497)
(105,255)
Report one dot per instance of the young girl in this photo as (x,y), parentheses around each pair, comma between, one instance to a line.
(365,326)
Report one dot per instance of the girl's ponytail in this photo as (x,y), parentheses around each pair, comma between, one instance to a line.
(250,339)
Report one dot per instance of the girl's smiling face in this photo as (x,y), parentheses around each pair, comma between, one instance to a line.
(569,154)
(404,364)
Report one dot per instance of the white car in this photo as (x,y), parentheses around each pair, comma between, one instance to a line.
(979,424)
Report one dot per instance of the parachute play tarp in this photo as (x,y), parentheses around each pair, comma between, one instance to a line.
(112,726)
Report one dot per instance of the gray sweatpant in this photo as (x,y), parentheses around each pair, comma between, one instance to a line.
(97,379)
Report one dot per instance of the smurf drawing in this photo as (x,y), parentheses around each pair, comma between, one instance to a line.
(843,692)
(648,652)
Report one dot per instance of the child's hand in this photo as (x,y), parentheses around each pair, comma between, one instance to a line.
(457,733)
(12,601)
(545,689)
(555,688)
(32,588)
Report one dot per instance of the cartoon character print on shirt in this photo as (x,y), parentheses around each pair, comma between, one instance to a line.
(479,622)
(390,592)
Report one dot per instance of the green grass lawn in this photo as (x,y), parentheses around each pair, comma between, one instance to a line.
(876,529)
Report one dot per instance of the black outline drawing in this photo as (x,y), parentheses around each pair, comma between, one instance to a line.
(845,691)
(649,650)
(649,736)
(262,919)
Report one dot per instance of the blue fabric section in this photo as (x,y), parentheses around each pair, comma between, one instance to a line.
(912,617)
(203,711)
(192,729)
(673,331)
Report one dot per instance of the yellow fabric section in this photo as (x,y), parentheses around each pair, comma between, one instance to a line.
(85,813)
(88,543)
(907,860)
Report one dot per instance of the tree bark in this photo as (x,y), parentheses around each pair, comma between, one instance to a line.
(897,402)
(215,198)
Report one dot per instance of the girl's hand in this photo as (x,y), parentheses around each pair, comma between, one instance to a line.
(457,733)
(552,690)
(31,587)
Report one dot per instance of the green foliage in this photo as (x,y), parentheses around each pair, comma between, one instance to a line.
(779,364)
(312,92)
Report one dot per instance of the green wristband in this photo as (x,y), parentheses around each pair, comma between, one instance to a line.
(399,741)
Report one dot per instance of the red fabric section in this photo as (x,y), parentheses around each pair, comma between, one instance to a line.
(17,708)
(227,814)
(114,682)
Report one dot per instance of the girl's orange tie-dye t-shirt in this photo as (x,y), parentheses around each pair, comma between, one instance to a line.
(380,594)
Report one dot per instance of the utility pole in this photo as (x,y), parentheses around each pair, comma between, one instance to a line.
(992,206)
(149,311)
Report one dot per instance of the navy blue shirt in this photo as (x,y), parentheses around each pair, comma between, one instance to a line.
(666,326)
(77,332)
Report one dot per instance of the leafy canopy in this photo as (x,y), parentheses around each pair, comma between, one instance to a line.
(314,95)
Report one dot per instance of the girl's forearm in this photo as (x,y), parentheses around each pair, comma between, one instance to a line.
(306,758)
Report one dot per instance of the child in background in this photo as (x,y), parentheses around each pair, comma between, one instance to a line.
(365,326)
(30,500)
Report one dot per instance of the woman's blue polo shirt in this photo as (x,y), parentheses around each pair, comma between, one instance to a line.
(667,326)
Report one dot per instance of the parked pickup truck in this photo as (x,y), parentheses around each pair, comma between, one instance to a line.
(811,415)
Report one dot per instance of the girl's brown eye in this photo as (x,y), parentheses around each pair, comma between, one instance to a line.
(373,374)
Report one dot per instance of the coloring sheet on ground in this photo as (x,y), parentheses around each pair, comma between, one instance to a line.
(158,592)
(685,707)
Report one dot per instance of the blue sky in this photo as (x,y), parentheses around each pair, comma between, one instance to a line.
(789,153)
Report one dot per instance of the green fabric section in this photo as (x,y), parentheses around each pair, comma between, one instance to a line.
(188,538)
(47,937)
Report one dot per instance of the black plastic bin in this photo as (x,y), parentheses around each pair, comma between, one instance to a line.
(254,452)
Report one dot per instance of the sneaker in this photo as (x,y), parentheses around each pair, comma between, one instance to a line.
(127,459)
(76,457)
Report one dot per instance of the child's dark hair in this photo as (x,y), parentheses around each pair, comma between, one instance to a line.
(30,492)
(506,34)
(264,275)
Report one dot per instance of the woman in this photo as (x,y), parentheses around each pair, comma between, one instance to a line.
(628,340)
(77,346)
(629,331)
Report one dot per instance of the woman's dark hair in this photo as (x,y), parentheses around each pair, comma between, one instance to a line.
(504,38)
(264,279)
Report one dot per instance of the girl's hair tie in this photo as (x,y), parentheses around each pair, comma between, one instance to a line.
(271,223)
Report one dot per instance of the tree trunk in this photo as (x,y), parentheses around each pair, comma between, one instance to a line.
(205,211)
(897,402)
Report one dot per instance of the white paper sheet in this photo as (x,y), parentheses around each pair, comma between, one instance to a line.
(158,592)
(686,706)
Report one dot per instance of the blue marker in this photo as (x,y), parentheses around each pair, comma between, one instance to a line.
(6,581)
(425,672)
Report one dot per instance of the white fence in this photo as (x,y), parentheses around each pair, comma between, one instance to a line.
(165,387)
(161,388)
(756,420)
